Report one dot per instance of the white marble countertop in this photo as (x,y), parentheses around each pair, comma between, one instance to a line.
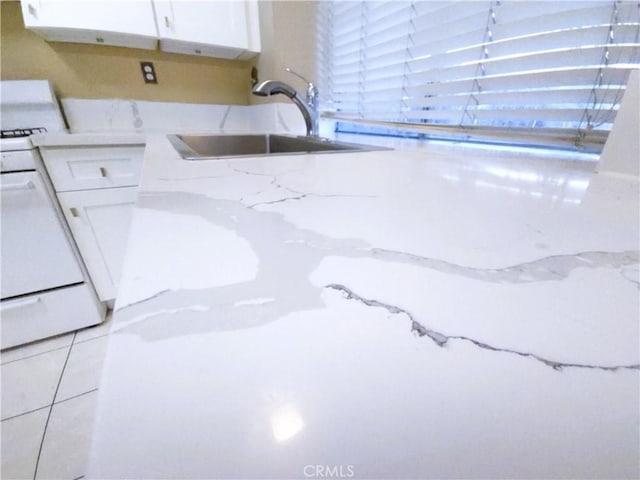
(61,139)
(438,313)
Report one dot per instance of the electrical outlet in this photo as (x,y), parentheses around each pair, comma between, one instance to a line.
(148,72)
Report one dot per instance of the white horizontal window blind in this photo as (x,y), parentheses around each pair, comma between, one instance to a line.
(533,72)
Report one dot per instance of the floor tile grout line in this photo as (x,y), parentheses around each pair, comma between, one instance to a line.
(92,338)
(36,354)
(50,405)
(27,412)
(76,396)
(46,424)
(55,349)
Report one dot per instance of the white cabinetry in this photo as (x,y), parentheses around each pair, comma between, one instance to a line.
(223,29)
(97,188)
(124,23)
(99,221)
(214,28)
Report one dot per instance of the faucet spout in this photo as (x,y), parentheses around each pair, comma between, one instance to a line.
(274,87)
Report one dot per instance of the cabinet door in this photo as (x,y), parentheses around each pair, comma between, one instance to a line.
(125,23)
(224,29)
(99,221)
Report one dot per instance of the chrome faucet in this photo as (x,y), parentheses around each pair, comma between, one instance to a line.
(309,109)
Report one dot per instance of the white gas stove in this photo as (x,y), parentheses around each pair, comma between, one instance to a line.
(45,290)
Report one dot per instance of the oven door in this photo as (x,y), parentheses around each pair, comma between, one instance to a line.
(36,254)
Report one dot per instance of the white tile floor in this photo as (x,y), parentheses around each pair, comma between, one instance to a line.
(49,391)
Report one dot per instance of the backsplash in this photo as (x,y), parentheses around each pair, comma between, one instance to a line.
(135,116)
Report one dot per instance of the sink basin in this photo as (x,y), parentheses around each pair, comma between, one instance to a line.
(206,147)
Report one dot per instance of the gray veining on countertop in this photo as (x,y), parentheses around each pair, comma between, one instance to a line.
(401,312)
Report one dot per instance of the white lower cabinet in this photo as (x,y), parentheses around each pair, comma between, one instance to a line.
(99,221)
(96,186)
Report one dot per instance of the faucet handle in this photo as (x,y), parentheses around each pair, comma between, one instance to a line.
(299,76)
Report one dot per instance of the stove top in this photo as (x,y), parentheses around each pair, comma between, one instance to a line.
(21,132)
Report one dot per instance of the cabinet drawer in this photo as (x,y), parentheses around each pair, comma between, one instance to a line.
(93,167)
(42,315)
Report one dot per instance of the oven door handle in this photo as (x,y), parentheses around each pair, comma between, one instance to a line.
(15,304)
(24,185)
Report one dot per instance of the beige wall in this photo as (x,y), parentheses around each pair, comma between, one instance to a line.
(288,33)
(92,71)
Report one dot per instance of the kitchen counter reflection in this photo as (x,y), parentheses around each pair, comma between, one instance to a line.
(436,313)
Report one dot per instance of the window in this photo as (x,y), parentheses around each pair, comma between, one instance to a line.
(521,72)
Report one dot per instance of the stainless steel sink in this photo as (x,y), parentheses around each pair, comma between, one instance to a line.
(206,147)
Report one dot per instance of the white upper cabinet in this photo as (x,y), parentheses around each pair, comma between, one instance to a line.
(213,28)
(125,23)
(223,29)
